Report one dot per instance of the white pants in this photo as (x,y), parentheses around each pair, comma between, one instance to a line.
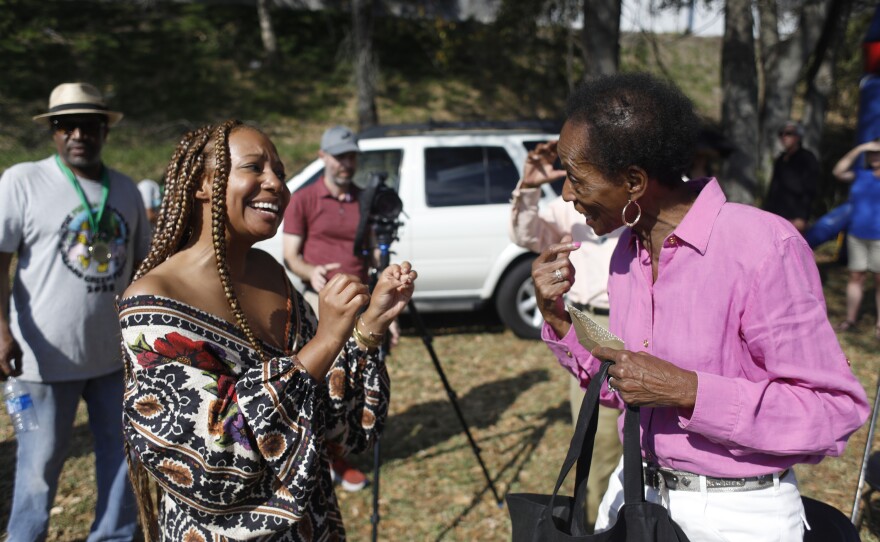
(773,514)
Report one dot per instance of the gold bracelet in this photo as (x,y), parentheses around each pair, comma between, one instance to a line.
(377,336)
(369,342)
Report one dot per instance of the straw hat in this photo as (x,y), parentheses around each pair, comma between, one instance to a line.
(78,99)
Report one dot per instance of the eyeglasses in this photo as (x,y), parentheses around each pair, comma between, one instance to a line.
(87,127)
(784,133)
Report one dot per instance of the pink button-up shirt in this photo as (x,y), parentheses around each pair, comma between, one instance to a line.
(737,300)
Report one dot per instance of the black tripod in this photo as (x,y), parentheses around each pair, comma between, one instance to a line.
(384,235)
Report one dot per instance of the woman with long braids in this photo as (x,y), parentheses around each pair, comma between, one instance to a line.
(234,392)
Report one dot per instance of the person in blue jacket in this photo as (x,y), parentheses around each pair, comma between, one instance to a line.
(863,241)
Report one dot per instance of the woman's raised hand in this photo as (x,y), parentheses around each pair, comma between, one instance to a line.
(538,168)
(392,293)
(553,276)
(339,302)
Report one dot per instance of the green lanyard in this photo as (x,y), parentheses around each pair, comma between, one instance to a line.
(94,220)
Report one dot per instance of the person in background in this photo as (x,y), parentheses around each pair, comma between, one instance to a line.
(151,193)
(79,229)
(728,351)
(320,226)
(863,239)
(322,219)
(536,228)
(234,391)
(795,180)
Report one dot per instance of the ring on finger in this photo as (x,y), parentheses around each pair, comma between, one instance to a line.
(611,388)
(558,275)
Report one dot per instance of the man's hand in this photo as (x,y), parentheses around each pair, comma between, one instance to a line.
(538,168)
(318,278)
(10,356)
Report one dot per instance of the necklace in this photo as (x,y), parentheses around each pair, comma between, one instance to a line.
(99,248)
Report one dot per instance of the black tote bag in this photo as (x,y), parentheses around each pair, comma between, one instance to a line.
(555,518)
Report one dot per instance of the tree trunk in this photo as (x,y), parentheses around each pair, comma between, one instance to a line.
(601,37)
(569,59)
(820,83)
(267,33)
(820,74)
(783,66)
(365,69)
(739,108)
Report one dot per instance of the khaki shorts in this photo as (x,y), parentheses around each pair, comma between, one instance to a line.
(863,254)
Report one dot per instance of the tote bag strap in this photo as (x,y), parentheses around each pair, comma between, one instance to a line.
(581,450)
(633,484)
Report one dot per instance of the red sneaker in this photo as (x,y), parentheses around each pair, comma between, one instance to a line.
(346,475)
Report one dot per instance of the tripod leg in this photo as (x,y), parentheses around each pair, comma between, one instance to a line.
(377,465)
(377,462)
(427,340)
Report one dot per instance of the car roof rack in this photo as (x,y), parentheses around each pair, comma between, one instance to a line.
(537,125)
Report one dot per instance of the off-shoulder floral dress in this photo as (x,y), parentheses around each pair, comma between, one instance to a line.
(240,445)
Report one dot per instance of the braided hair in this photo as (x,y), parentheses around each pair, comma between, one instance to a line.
(201,152)
(189,164)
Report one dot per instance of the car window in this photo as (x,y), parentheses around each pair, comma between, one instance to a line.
(387,160)
(468,176)
(557,184)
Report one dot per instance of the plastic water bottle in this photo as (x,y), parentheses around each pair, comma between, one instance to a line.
(20,406)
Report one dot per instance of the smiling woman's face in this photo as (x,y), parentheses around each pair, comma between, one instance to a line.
(256,194)
(596,196)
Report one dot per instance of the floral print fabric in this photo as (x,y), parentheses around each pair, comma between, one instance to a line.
(238,444)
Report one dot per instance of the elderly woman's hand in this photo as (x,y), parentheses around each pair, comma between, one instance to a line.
(390,296)
(645,380)
(538,168)
(553,276)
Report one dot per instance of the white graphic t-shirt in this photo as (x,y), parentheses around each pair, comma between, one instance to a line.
(62,311)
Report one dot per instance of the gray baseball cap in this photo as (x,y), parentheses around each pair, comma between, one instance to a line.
(339,140)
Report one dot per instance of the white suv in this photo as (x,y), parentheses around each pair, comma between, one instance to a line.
(455,183)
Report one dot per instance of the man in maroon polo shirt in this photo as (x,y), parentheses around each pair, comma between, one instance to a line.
(320,224)
(322,219)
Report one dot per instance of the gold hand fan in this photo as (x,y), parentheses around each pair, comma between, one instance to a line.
(590,334)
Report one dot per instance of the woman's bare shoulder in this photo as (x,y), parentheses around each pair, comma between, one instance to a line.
(156,282)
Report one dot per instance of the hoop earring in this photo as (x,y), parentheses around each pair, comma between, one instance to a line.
(638,215)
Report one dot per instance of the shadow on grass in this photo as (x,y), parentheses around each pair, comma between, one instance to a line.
(452,323)
(524,452)
(426,425)
(80,446)
(870,519)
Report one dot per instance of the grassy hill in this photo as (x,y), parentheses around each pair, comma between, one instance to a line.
(171,67)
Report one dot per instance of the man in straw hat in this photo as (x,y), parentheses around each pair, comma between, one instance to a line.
(79,228)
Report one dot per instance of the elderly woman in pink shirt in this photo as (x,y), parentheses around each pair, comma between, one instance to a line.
(729,351)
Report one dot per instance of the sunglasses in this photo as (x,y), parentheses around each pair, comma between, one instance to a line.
(88,127)
(787,133)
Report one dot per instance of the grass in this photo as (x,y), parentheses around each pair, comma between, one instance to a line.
(513,397)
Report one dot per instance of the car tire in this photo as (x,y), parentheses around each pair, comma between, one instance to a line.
(515,301)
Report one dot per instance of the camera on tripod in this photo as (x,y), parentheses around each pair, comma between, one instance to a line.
(380,206)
